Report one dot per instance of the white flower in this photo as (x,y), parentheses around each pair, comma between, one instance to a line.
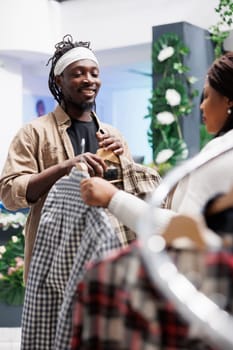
(165,53)
(192,80)
(173,97)
(164,155)
(12,220)
(165,118)
(14,239)
(2,249)
(20,218)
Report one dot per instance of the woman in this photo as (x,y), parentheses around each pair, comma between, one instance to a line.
(119,292)
(194,190)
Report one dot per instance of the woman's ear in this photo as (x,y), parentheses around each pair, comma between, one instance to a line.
(230,103)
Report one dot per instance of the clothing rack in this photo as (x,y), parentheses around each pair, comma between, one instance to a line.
(198,310)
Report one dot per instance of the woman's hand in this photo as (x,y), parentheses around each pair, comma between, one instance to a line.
(97,192)
(110,143)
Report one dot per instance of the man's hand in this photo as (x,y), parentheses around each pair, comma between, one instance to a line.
(95,165)
(97,192)
(41,183)
(110,143)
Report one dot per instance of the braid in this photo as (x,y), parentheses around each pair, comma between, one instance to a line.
(61,48)
(220,77)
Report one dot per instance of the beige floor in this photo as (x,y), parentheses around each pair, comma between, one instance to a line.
(10,338)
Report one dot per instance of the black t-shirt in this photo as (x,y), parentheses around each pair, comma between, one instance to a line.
(83,130)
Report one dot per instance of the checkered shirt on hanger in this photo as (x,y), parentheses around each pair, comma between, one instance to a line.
(118,308)
(69,235)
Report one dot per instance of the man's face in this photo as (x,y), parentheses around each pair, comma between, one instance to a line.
(80,83)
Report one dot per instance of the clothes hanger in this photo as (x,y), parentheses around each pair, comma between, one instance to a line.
(187,231)
(82,167)
(104,154)
(108,155)
(113,170)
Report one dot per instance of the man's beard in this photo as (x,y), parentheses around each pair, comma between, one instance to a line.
(85,106)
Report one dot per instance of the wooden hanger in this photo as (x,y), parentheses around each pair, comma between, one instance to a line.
(108,155)
(114,159)
(186,229)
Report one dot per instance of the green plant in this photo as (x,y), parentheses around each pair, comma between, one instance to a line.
(11,260)
(221,30)
(171,99)
(225,11)
(205,137)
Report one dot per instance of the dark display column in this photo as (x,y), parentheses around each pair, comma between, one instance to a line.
(198,60)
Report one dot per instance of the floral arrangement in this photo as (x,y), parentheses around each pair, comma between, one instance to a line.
(11,259)
(171,100)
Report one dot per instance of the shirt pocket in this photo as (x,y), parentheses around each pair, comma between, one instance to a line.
(52,155)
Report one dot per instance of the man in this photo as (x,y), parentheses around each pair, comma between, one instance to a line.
(46,149)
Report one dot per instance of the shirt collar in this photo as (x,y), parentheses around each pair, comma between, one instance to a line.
(63,118)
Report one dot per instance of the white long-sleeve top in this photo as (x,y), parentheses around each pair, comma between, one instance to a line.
(129,209)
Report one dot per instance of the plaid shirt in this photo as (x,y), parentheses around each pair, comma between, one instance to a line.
(118,308)
(138,180)
(69,235)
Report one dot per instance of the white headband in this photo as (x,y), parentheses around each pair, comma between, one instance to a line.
(73,55)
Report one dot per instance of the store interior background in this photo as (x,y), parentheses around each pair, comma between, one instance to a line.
(120,32)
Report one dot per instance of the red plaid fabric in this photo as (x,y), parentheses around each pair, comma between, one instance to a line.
(118,308)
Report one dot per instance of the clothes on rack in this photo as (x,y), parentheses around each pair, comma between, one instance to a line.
(117,306)
(70,234)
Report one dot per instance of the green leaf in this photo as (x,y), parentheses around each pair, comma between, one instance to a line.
(10,293)
(12,288)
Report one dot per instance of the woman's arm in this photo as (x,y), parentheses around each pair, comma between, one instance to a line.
(125,206)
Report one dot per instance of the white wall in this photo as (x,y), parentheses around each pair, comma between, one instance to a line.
(28,30)
(130,108)
(11,90)
(29,25)
(117,23)
(35,25)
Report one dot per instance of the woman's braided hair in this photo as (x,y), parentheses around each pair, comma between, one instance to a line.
(220,77)
(62,47)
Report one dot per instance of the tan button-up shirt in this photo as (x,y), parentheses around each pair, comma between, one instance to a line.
(37,146)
